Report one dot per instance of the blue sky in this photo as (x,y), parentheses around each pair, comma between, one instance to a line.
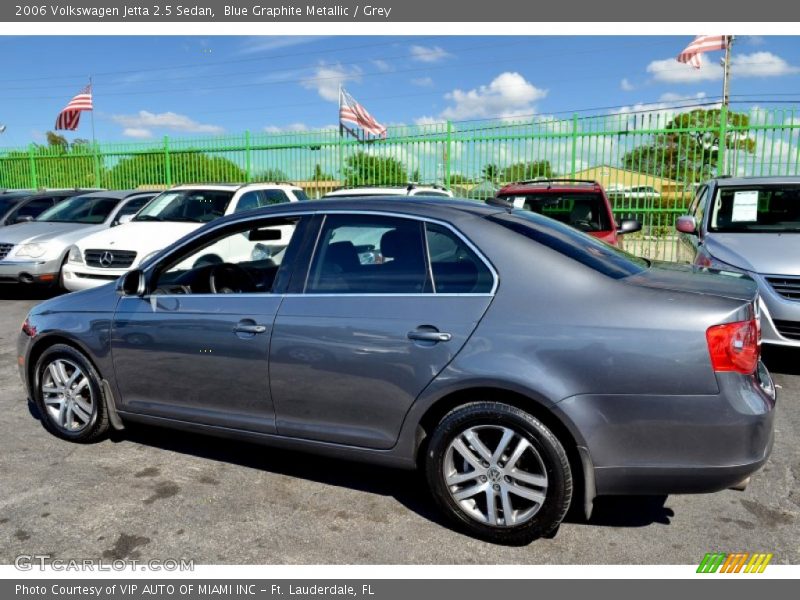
(147,87)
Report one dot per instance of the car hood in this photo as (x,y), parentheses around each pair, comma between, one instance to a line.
(101,299)
(43,231)
(142,237)
(766,253)
(696,280)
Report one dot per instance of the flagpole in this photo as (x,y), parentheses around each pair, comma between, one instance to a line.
(726,76)
(91,91)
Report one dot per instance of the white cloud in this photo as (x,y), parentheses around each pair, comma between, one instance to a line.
(422,81)
(428,54)
(508,95)
(757,64)
(291,128)
(675,97)
(137,132)
(626,85)
(427,120)
(382,65)
(256,44)
(142,123)
(328,78)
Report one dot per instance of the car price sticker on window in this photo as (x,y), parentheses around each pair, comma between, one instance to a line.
(745,206)
(519,202)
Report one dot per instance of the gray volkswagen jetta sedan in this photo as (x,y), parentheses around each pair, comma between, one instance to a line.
(521,364)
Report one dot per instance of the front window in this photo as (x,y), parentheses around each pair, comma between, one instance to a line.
(586,212)
(756,209)
(585,249)
(194,206)
(80,209)
(7,203)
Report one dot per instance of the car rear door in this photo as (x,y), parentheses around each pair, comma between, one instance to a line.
(184,352)
(373,321)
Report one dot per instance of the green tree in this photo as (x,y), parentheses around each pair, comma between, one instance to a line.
(490,172)
(458,178)
(271,174)
(527,170)
(320,175)
(688,149)
(54,140)
(365,169)
(185,167)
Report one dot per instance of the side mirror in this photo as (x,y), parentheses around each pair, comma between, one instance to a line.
(686,224)
(23,219)
(132,283)
(125,219)
(629,226)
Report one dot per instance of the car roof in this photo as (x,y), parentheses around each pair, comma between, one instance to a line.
(384,190)
(551,185)
(232,187)
(119,194)
(771,180)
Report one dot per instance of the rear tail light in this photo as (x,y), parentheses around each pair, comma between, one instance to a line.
(735,346)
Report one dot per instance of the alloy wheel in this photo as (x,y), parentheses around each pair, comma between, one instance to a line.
(67,395)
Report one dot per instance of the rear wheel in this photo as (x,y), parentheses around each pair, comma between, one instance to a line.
(68,395)
(499,473)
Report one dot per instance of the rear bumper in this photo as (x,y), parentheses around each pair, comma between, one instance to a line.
(676,444)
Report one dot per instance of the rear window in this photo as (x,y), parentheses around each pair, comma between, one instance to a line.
(578,246)
(300,195)
(583,211)
(762,209)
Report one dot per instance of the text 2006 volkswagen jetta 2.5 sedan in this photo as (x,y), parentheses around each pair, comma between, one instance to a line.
(523,365)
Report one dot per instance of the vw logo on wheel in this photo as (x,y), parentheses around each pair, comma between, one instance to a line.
(106,259)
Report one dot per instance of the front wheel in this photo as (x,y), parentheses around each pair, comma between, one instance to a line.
(499,473)
(68,395)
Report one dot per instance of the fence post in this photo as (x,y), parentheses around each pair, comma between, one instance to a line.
(247,156)
(447,151)
(574,143)
(96,158)
(167,166)
(34,179)
(723,134)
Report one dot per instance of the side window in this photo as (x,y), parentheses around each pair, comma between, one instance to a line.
(132,207)
(240,261)
(249,201)
(274,197)
(698,206)
(456,268)
(364,254)
(34,208)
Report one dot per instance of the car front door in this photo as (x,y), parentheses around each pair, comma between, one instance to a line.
(195,347)
(386,304)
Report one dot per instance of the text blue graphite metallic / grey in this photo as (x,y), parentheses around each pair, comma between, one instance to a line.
(521,364)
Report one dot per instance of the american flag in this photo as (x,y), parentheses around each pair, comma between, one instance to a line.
(70,116)
(702,43)
(352,112)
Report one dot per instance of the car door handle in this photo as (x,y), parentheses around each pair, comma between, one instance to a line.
(249,328)
(429,336)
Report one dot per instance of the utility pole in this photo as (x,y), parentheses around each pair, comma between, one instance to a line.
(726,76)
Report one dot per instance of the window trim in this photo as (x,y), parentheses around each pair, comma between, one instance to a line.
(481,256)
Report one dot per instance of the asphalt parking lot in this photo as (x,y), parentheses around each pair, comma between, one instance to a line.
(158,494)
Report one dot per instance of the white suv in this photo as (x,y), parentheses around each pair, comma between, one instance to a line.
(411,189)
(105,256)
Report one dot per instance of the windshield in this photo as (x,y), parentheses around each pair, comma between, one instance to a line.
(196,206)
(756,209)
(578,246)
(586,212)
(80,209)
(9,200)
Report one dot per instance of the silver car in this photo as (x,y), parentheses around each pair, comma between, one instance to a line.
(752,225)
(34,252)
(521,364)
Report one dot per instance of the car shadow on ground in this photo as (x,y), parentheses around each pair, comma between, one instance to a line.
(27,292)
(407,487)
(785,361)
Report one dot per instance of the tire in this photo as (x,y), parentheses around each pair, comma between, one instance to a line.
(536,504)
(84,418)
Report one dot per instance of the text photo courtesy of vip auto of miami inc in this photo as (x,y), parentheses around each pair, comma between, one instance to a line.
(400,300)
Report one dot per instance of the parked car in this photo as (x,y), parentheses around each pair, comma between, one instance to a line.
(579,203)
(752,225)
(518,386)
(641,192)
(22,206)
(34,252)
(104,256)
(411,189)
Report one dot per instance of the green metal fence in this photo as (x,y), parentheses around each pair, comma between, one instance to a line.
(649,162)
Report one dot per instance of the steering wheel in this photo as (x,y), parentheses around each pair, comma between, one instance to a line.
(228,278)
(585,225)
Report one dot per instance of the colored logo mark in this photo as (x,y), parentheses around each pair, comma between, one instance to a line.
(736,562)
